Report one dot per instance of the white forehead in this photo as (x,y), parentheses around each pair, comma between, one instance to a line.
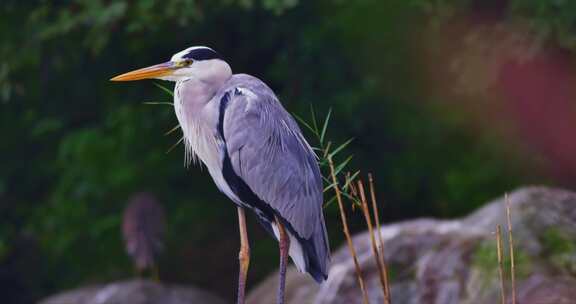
(178,56)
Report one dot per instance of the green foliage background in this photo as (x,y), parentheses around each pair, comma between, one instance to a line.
(74,146)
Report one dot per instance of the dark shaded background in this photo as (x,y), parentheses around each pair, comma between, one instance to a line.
(450,103)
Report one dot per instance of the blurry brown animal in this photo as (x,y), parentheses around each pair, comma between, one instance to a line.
(142,229)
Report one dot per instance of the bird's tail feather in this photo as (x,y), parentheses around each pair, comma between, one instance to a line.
(317,251)
(310,255)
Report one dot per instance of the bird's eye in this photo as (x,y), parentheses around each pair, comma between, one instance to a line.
(184,63)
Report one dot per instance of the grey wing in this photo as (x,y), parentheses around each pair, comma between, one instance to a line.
(269,153)
(270,166)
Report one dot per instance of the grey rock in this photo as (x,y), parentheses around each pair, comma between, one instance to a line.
(455,261)
(134,292)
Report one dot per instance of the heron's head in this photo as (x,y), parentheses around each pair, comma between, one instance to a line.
(198,62)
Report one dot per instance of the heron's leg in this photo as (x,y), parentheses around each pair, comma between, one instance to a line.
(155,273)
(284,248)
(243,256)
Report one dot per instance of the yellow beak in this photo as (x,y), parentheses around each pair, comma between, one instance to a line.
(154,71)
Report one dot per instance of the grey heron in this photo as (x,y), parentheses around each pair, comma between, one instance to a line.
(254,151)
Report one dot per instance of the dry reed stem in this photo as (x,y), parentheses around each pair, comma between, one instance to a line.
(354,193)
(511,249)
(387,295)
(372,238)
(500,263)
(347,232)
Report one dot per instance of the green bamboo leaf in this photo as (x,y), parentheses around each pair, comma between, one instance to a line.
(350,180)
(342,165)
(325,127)
(342,146)
(348,196)
(157,103)
(327,150)
(165,89)
(354,200)
(330,201)
(314,123)
(172,130)
(302,121)
(329,187)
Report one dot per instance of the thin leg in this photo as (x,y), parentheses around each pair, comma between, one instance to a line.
(243,256)
(155,273)
(138,272)
(284,248)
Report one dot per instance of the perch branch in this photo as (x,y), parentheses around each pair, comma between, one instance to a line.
(347,232)
(372,238)
(511,249)
(500,263)
(387,295)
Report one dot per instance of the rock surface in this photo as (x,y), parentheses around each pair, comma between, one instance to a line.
(455,261)
(134,292)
